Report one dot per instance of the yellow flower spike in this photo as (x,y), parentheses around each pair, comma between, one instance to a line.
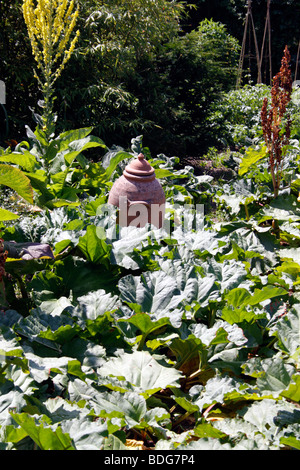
(50,24)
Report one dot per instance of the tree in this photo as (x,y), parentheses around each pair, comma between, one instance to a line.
(117,38)
(182,82)
(115,35)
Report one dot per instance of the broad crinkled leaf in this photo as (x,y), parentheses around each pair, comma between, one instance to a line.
(40,367)
(185,277)
(9,345)
(251,157)
(85,433)
(215,391)
(273,375)
(125,251)
(287,330)
(207,241)
(13,400)
(261,414)
(95,304)
(130,405)
(153,291)
(164,291)
(209,336)
(229,274)
(143,371)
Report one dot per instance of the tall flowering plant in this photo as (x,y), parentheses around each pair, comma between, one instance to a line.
(50,24)
(276,124)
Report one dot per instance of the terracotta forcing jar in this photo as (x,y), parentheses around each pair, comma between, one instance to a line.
(138,195)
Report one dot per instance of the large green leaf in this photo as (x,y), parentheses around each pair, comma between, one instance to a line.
(78,146)
(273,375)
(81,277)
(291,441)
(143,371)
(190,353)
(114,161)
(185,276)
(153,291)
(261,414)
(145,324)
(46,285)
(293,391)
(61,143)
(9,345)
(287,331)
(16,180)
(229,274)
(45,437)
(7,215)
(95,304)
(239,296)
(128,251)
(94,248)
(251,157)
(68,146)
(86,433)
(25,160)
(215,391)
(128,405)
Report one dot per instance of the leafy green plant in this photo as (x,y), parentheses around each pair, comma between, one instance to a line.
(235,118)
(16,180)
(50,25)
(57,169)
(186,340)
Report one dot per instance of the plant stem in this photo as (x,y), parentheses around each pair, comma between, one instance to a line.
(247,212)
(182,418)
(47,88)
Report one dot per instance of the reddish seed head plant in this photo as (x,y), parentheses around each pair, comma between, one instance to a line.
(276,124)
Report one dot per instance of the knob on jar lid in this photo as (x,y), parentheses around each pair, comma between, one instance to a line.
(139,169)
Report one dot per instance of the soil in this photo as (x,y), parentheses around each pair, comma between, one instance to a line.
(206,167)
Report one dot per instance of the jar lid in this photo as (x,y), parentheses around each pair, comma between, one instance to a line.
(139,169)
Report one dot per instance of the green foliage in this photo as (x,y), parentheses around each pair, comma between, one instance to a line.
(185,340)
(220,51)
(128,48)
(184,337)
(116,40)
(184,80)
(16,180)
(252,156)
(56,168)
(20,84)
(235,117)
(129,29)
